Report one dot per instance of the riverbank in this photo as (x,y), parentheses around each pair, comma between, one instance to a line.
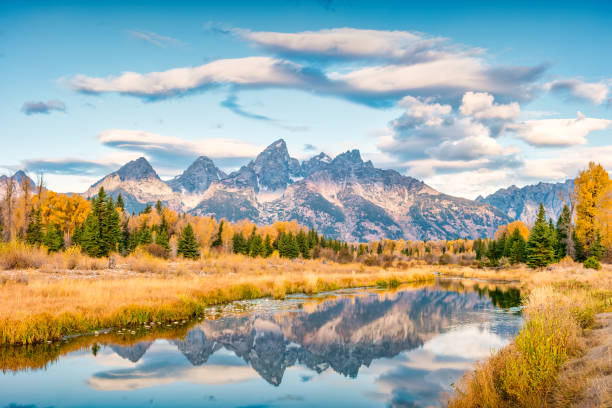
(548,363)
(39,305)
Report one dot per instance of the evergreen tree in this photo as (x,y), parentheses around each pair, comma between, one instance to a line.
(292,248)
(302,241)
(313,238)
(239,244)
(147,209)
(187,244)
(268,248)
(120,203)
(124,242)
(101,231)
(219,239)
(478,248)
(90,236)
(159,207)
(256,245)
(540,251)
(596,249)
(34,233)
(162,238)
(500,246)
(53,238)
(517,246)
(552,230)
(145,237)
(492,252)
(562,232)
(579,250)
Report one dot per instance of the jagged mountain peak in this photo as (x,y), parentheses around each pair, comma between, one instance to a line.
(315,163)
(198,176)
(272,169)
(139,169)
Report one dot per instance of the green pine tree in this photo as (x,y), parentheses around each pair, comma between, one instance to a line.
(268,247)
(239,244)
(540,250)
(53,238)
(188,245)
(302,241)
(256,245)
(517,245)
(120,203)
(579,250)
(596,250)
(145,237)
(292,247)
(34,233)
(162,238)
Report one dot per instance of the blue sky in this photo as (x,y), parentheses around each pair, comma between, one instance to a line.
(468,98)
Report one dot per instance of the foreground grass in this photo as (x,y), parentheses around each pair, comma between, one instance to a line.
(38,306)
(559,312)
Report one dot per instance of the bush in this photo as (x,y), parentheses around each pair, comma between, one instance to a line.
(445,259)
(156,250)
(18,255)
(592,263)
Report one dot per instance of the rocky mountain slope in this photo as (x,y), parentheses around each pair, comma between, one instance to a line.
(523,203)
(18,179)
(139,185)
(343,197)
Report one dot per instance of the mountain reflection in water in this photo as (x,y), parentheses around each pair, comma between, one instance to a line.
(400,348)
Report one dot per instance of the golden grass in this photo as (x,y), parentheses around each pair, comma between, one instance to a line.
(560,308)
(38,305)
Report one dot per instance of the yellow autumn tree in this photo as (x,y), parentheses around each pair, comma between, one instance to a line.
(65,211)
(509,229)
(590,188)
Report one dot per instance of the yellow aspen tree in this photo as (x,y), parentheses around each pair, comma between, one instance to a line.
(590,187)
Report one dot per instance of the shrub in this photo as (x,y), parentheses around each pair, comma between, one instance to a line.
(156,250)
(445,259)
(18,255)
(592,263)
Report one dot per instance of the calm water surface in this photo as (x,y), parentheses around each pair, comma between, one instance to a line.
(353,348)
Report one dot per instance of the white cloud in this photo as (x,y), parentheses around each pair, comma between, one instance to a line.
(423,113)
(159,145)
(407,63)
(448,77)
(566,163)
(480,105)
(238,71)
(346,42)
(161,41)
(558,132)
(595,92)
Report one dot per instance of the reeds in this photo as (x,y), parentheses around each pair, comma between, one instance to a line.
(526,372)
(47,306)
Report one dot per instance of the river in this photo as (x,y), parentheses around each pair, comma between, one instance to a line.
(350,348)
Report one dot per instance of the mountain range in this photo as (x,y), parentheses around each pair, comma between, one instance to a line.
(523,203)
(343,197)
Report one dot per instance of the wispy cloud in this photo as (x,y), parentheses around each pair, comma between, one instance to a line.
(175,151)
(158,40)
(30,108)
(231,103)
(405,63)
(78,166)
(595,92)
